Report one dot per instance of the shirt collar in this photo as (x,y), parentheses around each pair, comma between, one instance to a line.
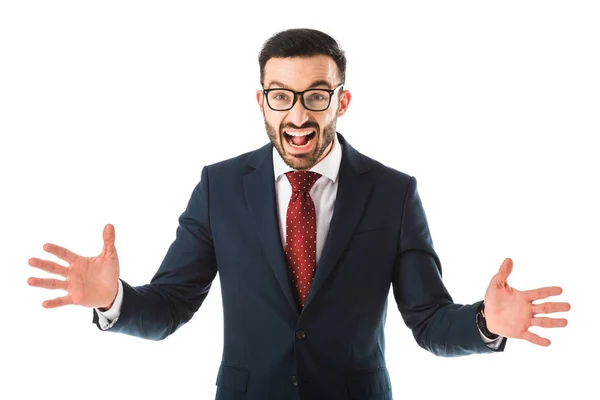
(328,166)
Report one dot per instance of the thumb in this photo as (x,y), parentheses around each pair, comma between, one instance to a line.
(504,272)
(108,235)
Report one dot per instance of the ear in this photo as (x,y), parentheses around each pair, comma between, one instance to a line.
(260,99)
(344,102)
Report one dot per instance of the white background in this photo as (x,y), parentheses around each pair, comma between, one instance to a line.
(109,110)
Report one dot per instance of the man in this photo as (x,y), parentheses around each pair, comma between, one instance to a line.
(308,236)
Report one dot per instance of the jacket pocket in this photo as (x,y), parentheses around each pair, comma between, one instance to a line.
(233,377)
(362,385)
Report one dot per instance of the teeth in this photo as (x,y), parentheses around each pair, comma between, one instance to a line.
(299,133)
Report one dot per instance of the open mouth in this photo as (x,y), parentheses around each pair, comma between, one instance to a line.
(299,139)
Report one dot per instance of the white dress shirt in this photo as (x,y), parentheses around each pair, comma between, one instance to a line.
(323,193)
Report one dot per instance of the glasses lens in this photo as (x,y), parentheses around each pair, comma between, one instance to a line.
(317,100)
(280,99)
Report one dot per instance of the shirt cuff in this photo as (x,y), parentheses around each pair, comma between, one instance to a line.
(493,344)
(106,319)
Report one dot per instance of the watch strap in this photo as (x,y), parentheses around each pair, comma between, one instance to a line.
(481,323)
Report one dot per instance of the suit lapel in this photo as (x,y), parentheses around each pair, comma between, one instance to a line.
(259,188)
(354,188)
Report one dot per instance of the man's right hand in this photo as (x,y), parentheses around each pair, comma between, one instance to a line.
(89,281)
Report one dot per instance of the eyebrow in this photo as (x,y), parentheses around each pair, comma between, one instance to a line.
(319,82)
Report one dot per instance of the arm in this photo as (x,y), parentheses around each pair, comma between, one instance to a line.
(182,282)
(438,324)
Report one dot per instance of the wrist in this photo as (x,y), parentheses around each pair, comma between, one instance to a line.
(482,323)
(106,308)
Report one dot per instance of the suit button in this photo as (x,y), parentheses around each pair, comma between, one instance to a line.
(294,380)
(300,334)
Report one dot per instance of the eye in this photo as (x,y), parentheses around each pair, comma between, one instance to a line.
(279,95)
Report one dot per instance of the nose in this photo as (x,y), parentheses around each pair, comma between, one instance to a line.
(298,115)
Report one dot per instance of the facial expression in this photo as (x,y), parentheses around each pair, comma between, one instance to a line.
(302,137)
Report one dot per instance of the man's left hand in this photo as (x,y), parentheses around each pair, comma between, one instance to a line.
(510,312)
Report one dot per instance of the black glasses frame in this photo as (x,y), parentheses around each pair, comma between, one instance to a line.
(301,94)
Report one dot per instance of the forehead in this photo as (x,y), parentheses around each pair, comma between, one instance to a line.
(301,72)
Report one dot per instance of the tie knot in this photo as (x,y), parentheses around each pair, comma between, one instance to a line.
(302,180)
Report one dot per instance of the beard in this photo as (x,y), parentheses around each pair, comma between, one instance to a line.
(303,161)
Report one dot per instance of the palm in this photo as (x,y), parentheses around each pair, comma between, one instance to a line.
(511,312)
(91,278)
(89,281)
(505,303)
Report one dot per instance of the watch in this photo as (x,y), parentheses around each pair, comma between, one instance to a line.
(481,324)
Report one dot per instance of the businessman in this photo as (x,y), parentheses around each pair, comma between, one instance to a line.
(308,237)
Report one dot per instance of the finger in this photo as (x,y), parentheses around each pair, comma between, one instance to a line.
(542,293)
(47,283)
(58,302)
(551,307)
(546,322)
(49,266)
(536,339)
(108,235)
(504,272)
(61,252)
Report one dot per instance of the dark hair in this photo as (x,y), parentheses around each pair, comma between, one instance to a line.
(302,42)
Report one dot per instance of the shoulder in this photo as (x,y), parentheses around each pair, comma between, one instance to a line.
(239,165)
(379,172)
(386,172)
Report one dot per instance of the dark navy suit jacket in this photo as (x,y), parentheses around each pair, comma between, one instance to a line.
(334,348)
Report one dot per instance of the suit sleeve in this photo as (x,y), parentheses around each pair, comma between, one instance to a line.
(437,323)
(183,280)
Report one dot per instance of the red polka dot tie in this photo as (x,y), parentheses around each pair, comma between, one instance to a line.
(301,233)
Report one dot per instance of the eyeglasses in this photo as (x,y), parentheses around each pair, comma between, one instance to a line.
(312,99)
